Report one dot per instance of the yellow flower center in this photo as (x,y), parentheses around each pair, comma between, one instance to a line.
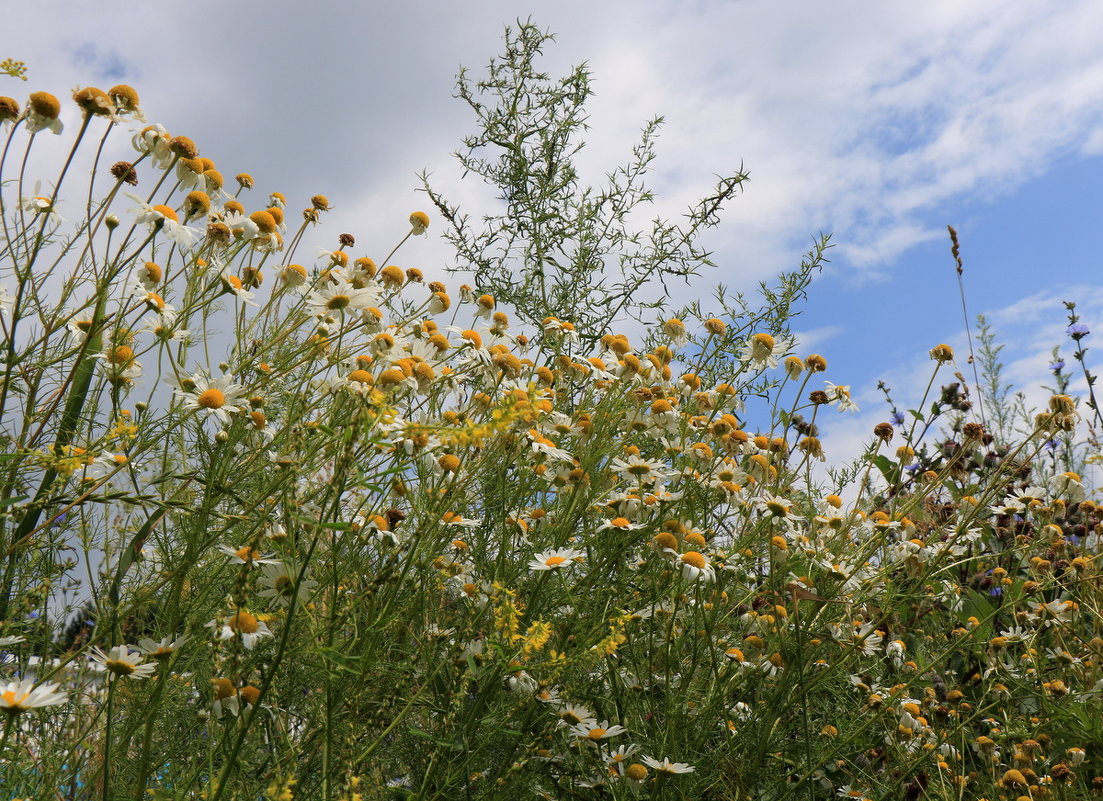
(119,667)
(554,561)
(211,399)
(694,559)
(167,212)
(243,622)
(13,701)
(596,734)
(338,302)
(247,554)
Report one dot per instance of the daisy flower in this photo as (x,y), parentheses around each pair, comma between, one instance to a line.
(696,567)
(243,624)
(337,297)
(636,468)
(762,350)
(595,732)
(555,559)
(162,649)
(21,696)
(840,396)
(120,661)
(279,583)
(247,555)
(43,113)
(163,218)
(666,766)
(218,397)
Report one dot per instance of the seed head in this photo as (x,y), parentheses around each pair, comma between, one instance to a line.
(93,101)
(124,171)
(883,431)
(320,202)
(244,180)
(9,109)
(183,147)
(125,97)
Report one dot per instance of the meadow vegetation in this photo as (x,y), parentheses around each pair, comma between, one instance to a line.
(281,518)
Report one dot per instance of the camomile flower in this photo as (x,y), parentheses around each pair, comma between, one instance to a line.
(664,765)
(21,696)
(163,218)
(43,113)
(162,649)
(636,468)
(555,559)
(419,223)
(340,297)
(279,583)
(840,396)
(247,555)
(762,351)
(595,732)
(40,204)
(154,140)
(696,567)
(121,661)
(6,301)
(241,624)
(218,397)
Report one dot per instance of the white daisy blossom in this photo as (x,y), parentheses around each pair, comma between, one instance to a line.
(21,696)
(120,661)
(279,583)
(218,397)
(555,559)
(247,555)
(594,731)
(762,350)
(338,297)
(840,396)
(666,766)
(241,623)
(165,219)
(162,649)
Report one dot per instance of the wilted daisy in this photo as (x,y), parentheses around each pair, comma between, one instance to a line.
(21,696)
(555,559)
(43,113)
(121,661)
(218,397)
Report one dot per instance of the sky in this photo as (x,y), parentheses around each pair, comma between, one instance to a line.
(877,122)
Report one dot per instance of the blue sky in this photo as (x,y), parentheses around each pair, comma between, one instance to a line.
(878,122)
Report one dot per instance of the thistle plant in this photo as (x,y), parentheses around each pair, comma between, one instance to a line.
(281,520)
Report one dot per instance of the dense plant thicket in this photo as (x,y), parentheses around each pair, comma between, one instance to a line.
(278,525)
